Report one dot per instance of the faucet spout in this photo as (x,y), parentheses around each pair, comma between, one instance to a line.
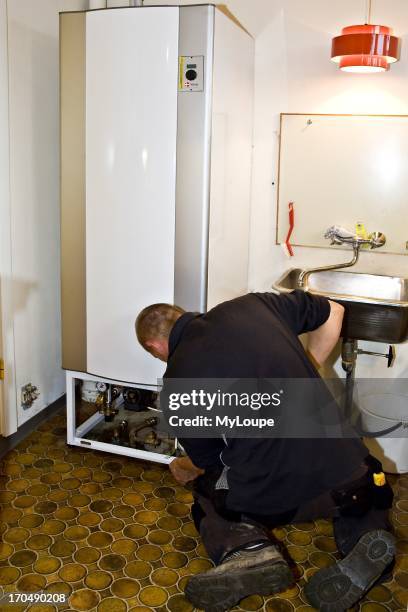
(339,235)
(304,275)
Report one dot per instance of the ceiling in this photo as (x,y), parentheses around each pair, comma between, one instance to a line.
(322,15)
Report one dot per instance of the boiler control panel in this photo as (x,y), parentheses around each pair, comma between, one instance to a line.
(191,73)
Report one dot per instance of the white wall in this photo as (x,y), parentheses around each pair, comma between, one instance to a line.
(30,287)
(294,74)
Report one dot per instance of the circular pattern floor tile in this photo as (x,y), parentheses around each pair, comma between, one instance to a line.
(174,560)
(99,476)
(178,510)
(81,473)
(321,559)
(299,538)
(112,605)
(165,492)
(112,525)
(31,583)
(51,478)
(100,539)
(113,493)
(157,505)
(62,548)
(11,516)
(135,531)
(46,565)
(101,506)
(39,542)
(8,575)
(16,535)
(124,546)
(196,566)
(38,490)
(46,507)
(98,580)
(159,537)
(149,552)
(90,488)
(125,588)
(138,569)
(25,501)
(189,530)
(84,599)
(253,602)
(72,572)
(78,500)
(164,577)
(5,551)
(20,484)
(25,458)
(66,513)
(87,555)
(76,533)
(59,587)
(132,469)
(30,521)
(179,603)
(184,544)
(22,558)
(146,517)
(122,482)
(143,487)
(112,563)
(278,605)
(153,596)
(123,511)
(169,523)
(58,496)
(53,527)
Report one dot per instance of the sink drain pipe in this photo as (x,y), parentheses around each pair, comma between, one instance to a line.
(349,353)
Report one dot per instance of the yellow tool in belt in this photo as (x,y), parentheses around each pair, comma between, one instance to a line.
(379,479)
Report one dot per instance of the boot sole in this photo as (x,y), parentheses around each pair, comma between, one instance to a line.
(337,588)
(216,593)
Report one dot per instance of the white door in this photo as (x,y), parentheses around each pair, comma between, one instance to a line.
(131,129)
(29,205)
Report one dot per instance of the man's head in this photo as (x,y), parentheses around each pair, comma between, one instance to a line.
(153,326)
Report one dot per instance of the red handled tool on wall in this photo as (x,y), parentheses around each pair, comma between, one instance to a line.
(288,246)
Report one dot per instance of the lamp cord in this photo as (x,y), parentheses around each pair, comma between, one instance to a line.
(368,13)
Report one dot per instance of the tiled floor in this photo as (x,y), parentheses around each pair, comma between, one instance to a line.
(115,534)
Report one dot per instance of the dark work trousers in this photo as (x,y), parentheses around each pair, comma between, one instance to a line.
(223,532)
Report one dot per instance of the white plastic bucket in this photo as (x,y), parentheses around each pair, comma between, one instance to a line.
(380,412)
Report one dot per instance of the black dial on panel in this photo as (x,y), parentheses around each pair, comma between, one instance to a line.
(191,75)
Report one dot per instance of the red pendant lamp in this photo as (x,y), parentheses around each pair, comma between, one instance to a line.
(366,48)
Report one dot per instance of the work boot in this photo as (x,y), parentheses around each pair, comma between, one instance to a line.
(257,570)
(340,586)
(348,530)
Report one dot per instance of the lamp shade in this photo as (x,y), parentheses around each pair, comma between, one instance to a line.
(365,48)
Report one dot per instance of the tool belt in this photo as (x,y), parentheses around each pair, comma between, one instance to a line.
(370,491)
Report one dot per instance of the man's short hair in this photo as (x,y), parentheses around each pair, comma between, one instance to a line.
(156,321)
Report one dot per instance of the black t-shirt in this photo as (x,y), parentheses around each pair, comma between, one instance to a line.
(256,336)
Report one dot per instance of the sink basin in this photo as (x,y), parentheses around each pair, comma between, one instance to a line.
(376,306)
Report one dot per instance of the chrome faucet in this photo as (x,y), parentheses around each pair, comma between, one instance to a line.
(338,235)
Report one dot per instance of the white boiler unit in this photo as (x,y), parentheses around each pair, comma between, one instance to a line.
(156,142)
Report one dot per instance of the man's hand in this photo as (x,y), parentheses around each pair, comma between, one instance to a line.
(184,470)
(323,339)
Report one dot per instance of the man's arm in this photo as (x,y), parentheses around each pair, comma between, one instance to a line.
(184,470)
(322,340)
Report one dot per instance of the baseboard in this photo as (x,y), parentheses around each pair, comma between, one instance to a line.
(7,444)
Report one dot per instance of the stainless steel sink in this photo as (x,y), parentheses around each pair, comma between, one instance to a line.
(376,306)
